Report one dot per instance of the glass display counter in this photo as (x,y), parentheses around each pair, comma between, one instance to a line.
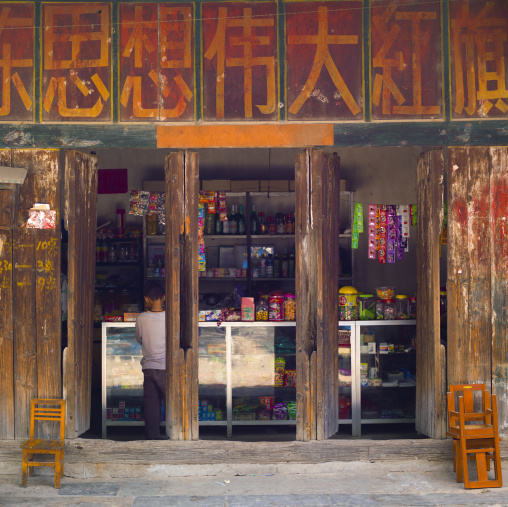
(381,388)
(247,374)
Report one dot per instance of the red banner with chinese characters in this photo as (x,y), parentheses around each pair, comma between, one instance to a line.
(156,80)
(76,63)
(239,61)
(478,51)
(406,69)
(17,51)
(324,60)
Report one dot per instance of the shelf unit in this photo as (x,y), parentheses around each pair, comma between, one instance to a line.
(384,404)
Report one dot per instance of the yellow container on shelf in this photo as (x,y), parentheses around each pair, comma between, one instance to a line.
(348,303)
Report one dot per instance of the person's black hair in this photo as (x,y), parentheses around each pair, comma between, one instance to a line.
(154,290)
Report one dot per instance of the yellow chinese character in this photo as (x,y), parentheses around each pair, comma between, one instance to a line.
(480,32)
(322,41)
(248,40)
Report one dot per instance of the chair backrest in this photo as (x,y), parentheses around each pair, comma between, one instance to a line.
(47,410)
(488,415)
(467,391)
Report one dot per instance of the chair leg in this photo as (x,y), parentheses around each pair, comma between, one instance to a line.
(458,463)
(30,469)
(58,470)
(463,463)
(24,468)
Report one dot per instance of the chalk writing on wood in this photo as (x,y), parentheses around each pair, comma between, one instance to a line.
(478,56)
(16,62)
(76,73)
(406,59)
(239,61)
(324,60)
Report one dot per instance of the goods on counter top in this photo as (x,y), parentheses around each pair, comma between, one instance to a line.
(387,305)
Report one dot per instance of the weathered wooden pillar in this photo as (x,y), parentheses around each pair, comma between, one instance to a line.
(182,295)
(430,354)
(317,254)
(30,319)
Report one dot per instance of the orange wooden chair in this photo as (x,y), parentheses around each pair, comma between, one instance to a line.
(478,436)
(44,410)
(469,392)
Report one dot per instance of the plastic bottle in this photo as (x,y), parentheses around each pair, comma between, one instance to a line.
(281,226)
(112,253)
(225,226)
(269,266)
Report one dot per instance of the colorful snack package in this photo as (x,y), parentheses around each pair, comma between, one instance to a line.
(290,378)
(264,415)
(280,411)
(280,364)
(291,406)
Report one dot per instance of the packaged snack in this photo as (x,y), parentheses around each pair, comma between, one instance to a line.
(267,401)
(291,406)
(290,378)
(264,415)
(280,411)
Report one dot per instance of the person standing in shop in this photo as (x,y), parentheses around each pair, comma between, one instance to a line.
(151,334)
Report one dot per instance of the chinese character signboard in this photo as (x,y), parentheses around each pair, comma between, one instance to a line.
(478,47)
(156,79)
(324,60)
(16,61)
(239,61)
(406,69)
(76,63)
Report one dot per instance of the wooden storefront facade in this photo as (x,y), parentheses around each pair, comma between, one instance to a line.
(309,75)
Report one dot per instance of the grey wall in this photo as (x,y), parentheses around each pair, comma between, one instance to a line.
(377,175)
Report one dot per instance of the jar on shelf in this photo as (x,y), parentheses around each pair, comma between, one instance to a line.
(289,307)
(379,309)
(348,303)
(389,309)
(367,306)
(412,308)
(151,224)
(262,309)
(402,307)
(276,308)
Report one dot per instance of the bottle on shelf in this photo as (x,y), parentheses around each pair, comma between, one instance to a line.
(233,221)
(112,253)
(285,265)
(225,225)
(263,228)
(241,221)
(272,226)
(262,265)
(281,226)
(269,266)
(253,221)
(290,223)
(104,252)
(209,223)
(218,224)
(276,266)
(291,263)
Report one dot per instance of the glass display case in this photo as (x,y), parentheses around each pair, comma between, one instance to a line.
(122,377)
(247,373)
(383,372)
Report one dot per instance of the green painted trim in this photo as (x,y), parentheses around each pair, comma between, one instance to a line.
(198,81)
(72,135)
(367,58)
(399,134)
(115,48)
(445,38)
(37,61)
(464,133)
(281,67)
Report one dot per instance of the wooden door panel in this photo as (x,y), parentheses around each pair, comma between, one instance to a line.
(317,210)
(430,357)
(80,221)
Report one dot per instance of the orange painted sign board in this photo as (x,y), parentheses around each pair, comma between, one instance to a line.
(245,136)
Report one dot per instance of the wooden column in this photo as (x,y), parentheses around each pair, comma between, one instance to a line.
(469,266)
(30,329)
(317,254)
(182,193)
(499,280)
(430,354)
(81,224)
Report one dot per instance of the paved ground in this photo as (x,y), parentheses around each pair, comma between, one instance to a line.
(355,483)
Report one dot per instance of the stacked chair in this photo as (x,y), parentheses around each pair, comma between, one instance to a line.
(473,426)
